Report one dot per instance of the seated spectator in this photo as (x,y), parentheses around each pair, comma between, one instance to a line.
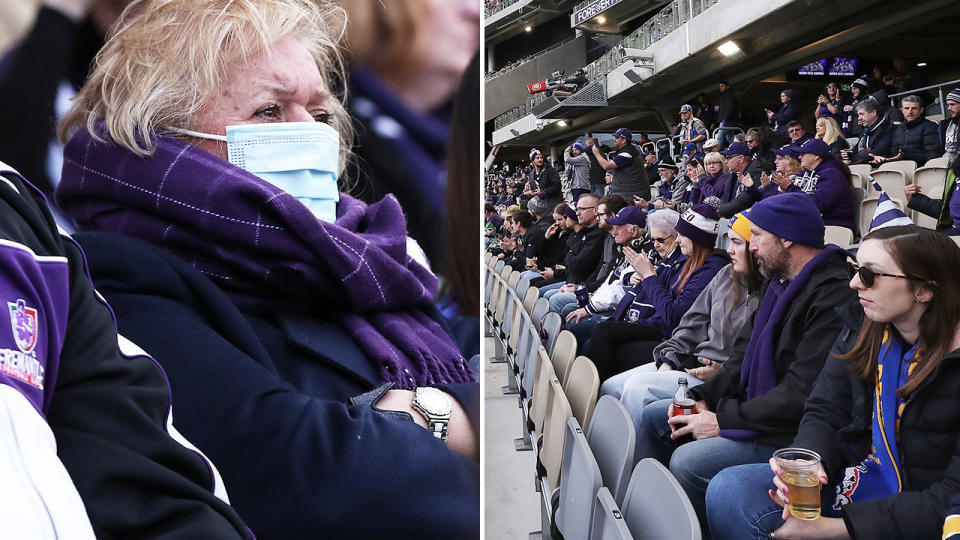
(797,134)
(893,466)
(829,132)
(307,301)
(584,248)
(651,310)
(542,180)
(712,145)
(788,171)
(578,170)
(552,248)
(492,217)
(789,111)
(916,137)
(828,181)
(848,122)
(695,171)
(743,188)
(692,133)
(753,404)
(671,188)
(946,209)
(704,338)
(830,103)
(543,219)
(876,137)
(524,235)
(90,445)
(950,126)
(651,167)
(714,183)
(628,175)
(758,141)
(607,207)
(628,230)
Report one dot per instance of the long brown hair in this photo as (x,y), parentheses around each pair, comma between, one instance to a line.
(930,260)
(752,276)
(694,261)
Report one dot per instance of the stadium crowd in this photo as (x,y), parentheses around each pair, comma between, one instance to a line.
(715,268)
(253,246)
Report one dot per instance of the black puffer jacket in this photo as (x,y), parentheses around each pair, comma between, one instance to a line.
(918,139)
(837,423)
(584,254)
(805,336)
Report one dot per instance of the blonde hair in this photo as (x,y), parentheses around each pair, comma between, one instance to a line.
(792,166)
(387,37)
(716,157)
(165,58)
(831,130)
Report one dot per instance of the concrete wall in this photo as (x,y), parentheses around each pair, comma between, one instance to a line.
(510,89)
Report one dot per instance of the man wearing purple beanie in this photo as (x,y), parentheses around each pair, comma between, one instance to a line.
(754,403)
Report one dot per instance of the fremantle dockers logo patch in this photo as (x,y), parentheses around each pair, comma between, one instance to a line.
(23,319)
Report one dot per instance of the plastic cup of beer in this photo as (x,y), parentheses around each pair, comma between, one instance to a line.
(798,469)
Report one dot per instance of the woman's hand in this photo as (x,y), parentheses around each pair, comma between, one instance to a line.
(639,262)
(745,179)
(547,273)
(702,425)
(821,528)
(460,434)
(781,180)
(708,370)
(911,190)
(551,230)
(764,179)
(577,314)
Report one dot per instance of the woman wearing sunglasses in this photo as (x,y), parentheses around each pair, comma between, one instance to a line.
(884,413)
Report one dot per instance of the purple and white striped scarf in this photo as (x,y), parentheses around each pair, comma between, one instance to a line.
(266,250)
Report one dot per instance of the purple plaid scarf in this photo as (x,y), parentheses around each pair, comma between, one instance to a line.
(266,250)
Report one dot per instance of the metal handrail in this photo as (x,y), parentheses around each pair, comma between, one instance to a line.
(939,88)
(725,128)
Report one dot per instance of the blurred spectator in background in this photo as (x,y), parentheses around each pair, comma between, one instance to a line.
(597,173)
(542,180)
(703,109)
(405,64)
(848,118)
(37,77)
(798,135)
(950,126)
(789,111)
(830,103)
(728,113)
(629,176)
(578,170)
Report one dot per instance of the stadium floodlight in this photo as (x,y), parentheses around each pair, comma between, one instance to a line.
(528,28)
(601,19)
(562,124)
(729,48)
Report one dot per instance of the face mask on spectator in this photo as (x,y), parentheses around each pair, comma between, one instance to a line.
(300,158)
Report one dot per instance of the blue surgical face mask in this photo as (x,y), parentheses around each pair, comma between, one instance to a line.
(300,158)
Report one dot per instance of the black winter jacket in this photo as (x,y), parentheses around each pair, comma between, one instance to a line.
(548,183)
(837,424)
(584,250)
(610,257)
(806,335)
(874,140)
(919,140)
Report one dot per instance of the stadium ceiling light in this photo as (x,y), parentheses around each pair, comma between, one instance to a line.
(601,19)
(561,123)
(729,48)
(528,28)
(922,64)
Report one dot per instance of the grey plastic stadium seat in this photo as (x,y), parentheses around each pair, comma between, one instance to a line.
(656,507)
(582,386)
(613,438)
(579,482)
(607,522)
(539,310)
(552,323)
(562,354)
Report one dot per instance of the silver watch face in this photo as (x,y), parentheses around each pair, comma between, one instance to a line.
(433,401)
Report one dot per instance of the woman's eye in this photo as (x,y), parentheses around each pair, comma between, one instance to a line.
(270,111)
(323,116)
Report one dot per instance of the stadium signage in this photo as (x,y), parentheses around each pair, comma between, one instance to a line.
(593,10)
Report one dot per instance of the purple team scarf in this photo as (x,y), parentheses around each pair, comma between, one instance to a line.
(758,373)
(266,250)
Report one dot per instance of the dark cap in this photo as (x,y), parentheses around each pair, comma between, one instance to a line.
(629,215)
(737,149)
(816,147)
(625,133)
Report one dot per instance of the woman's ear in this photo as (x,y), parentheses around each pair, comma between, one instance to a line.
(924,293)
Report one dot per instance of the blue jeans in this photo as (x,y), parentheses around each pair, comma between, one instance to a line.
(583,329)
(559,300)
(529,274)
(598,189)
(638,387)
(695,463)
(551,289)
(738,506)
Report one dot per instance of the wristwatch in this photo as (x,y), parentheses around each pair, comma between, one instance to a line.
(435,406)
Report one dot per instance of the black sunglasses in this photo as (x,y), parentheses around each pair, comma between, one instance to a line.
(662,240)
(868,277)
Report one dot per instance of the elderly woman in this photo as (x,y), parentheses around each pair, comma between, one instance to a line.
(883,414)
(297,330)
